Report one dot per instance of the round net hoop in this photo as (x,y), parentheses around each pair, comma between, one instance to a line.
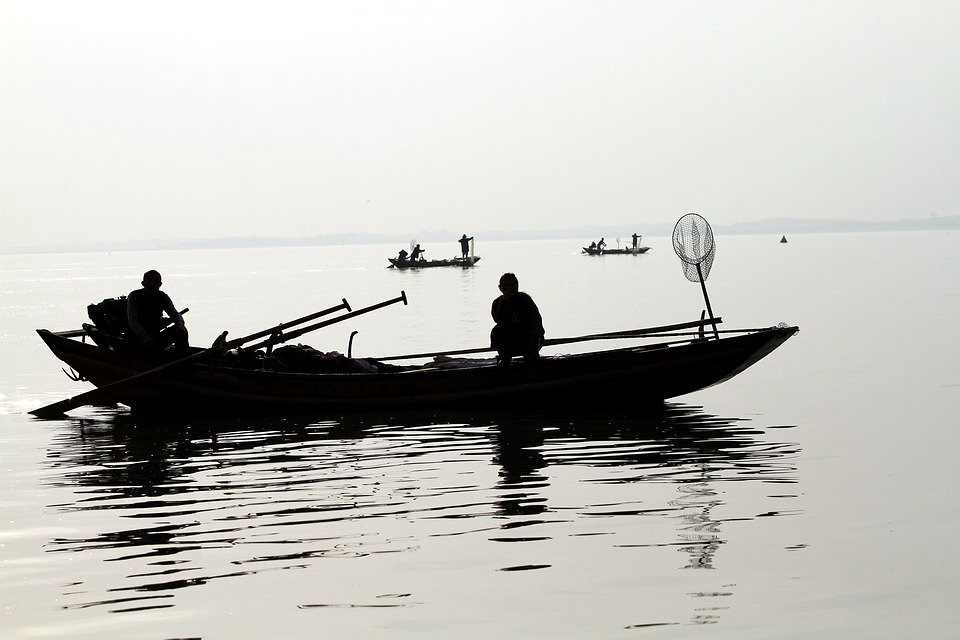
(693,242)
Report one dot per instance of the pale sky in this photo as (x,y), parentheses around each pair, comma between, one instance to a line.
(132,119)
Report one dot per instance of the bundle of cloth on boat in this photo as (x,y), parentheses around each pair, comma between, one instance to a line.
(302,358)
(110,316)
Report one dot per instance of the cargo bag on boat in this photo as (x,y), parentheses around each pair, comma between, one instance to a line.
(109,316)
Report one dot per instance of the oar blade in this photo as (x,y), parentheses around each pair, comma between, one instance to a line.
(59,409)
(55,410)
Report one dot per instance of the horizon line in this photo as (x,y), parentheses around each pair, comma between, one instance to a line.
(756,227)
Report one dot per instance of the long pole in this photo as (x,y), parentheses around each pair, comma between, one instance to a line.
(706,298)
(630,333)
(353,314)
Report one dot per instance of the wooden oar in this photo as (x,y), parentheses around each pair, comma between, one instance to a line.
(353,314)
(278,330)
(221,345)
(630,333)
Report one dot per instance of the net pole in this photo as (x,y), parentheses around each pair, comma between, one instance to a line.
(706,299)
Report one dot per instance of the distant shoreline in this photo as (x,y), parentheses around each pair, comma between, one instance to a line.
(773,226)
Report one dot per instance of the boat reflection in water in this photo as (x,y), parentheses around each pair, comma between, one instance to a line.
(189,503)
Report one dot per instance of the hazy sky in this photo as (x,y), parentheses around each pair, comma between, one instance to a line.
(132,120)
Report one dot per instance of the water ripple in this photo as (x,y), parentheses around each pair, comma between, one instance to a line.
(183,504)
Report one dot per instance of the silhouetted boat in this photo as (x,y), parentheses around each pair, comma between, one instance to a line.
(606,252)
(683,359)
(423,264)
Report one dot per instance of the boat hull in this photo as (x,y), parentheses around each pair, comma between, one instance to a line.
(633,376)
(607,252)
(424,264)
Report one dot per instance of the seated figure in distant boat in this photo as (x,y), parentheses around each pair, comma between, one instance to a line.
(519,327)
(148,327)
(402,256)
(417,253)
(593,245)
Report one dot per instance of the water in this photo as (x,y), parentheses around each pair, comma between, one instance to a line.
(809,497)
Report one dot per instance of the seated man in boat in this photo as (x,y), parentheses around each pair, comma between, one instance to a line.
(519,328)
(402,256)
(145,308)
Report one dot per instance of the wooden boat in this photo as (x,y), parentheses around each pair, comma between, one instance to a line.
(606,252)
(423,264)
(681,359)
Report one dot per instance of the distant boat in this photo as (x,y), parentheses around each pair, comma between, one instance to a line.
(604,252)
(783,239)
(633,249)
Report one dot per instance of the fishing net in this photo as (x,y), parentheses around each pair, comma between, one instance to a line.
(693,242)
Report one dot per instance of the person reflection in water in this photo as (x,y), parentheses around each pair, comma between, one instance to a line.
(519,327)
(145,308)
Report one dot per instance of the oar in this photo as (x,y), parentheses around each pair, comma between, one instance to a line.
(353,314)
(276,333)
(221,345)
(630,333)
(76,333)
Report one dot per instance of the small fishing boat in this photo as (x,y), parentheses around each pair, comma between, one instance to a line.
(469,261)
(608,252)
(672,360)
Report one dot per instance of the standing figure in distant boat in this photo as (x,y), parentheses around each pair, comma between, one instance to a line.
(465,245)
(402,256)
(636,239)
(519,328)
(417,253)
(601,244)
(145,308)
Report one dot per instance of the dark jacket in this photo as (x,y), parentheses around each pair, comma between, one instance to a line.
(145,312)
(518,323)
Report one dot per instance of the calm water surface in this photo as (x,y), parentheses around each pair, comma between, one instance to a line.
(812,496)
